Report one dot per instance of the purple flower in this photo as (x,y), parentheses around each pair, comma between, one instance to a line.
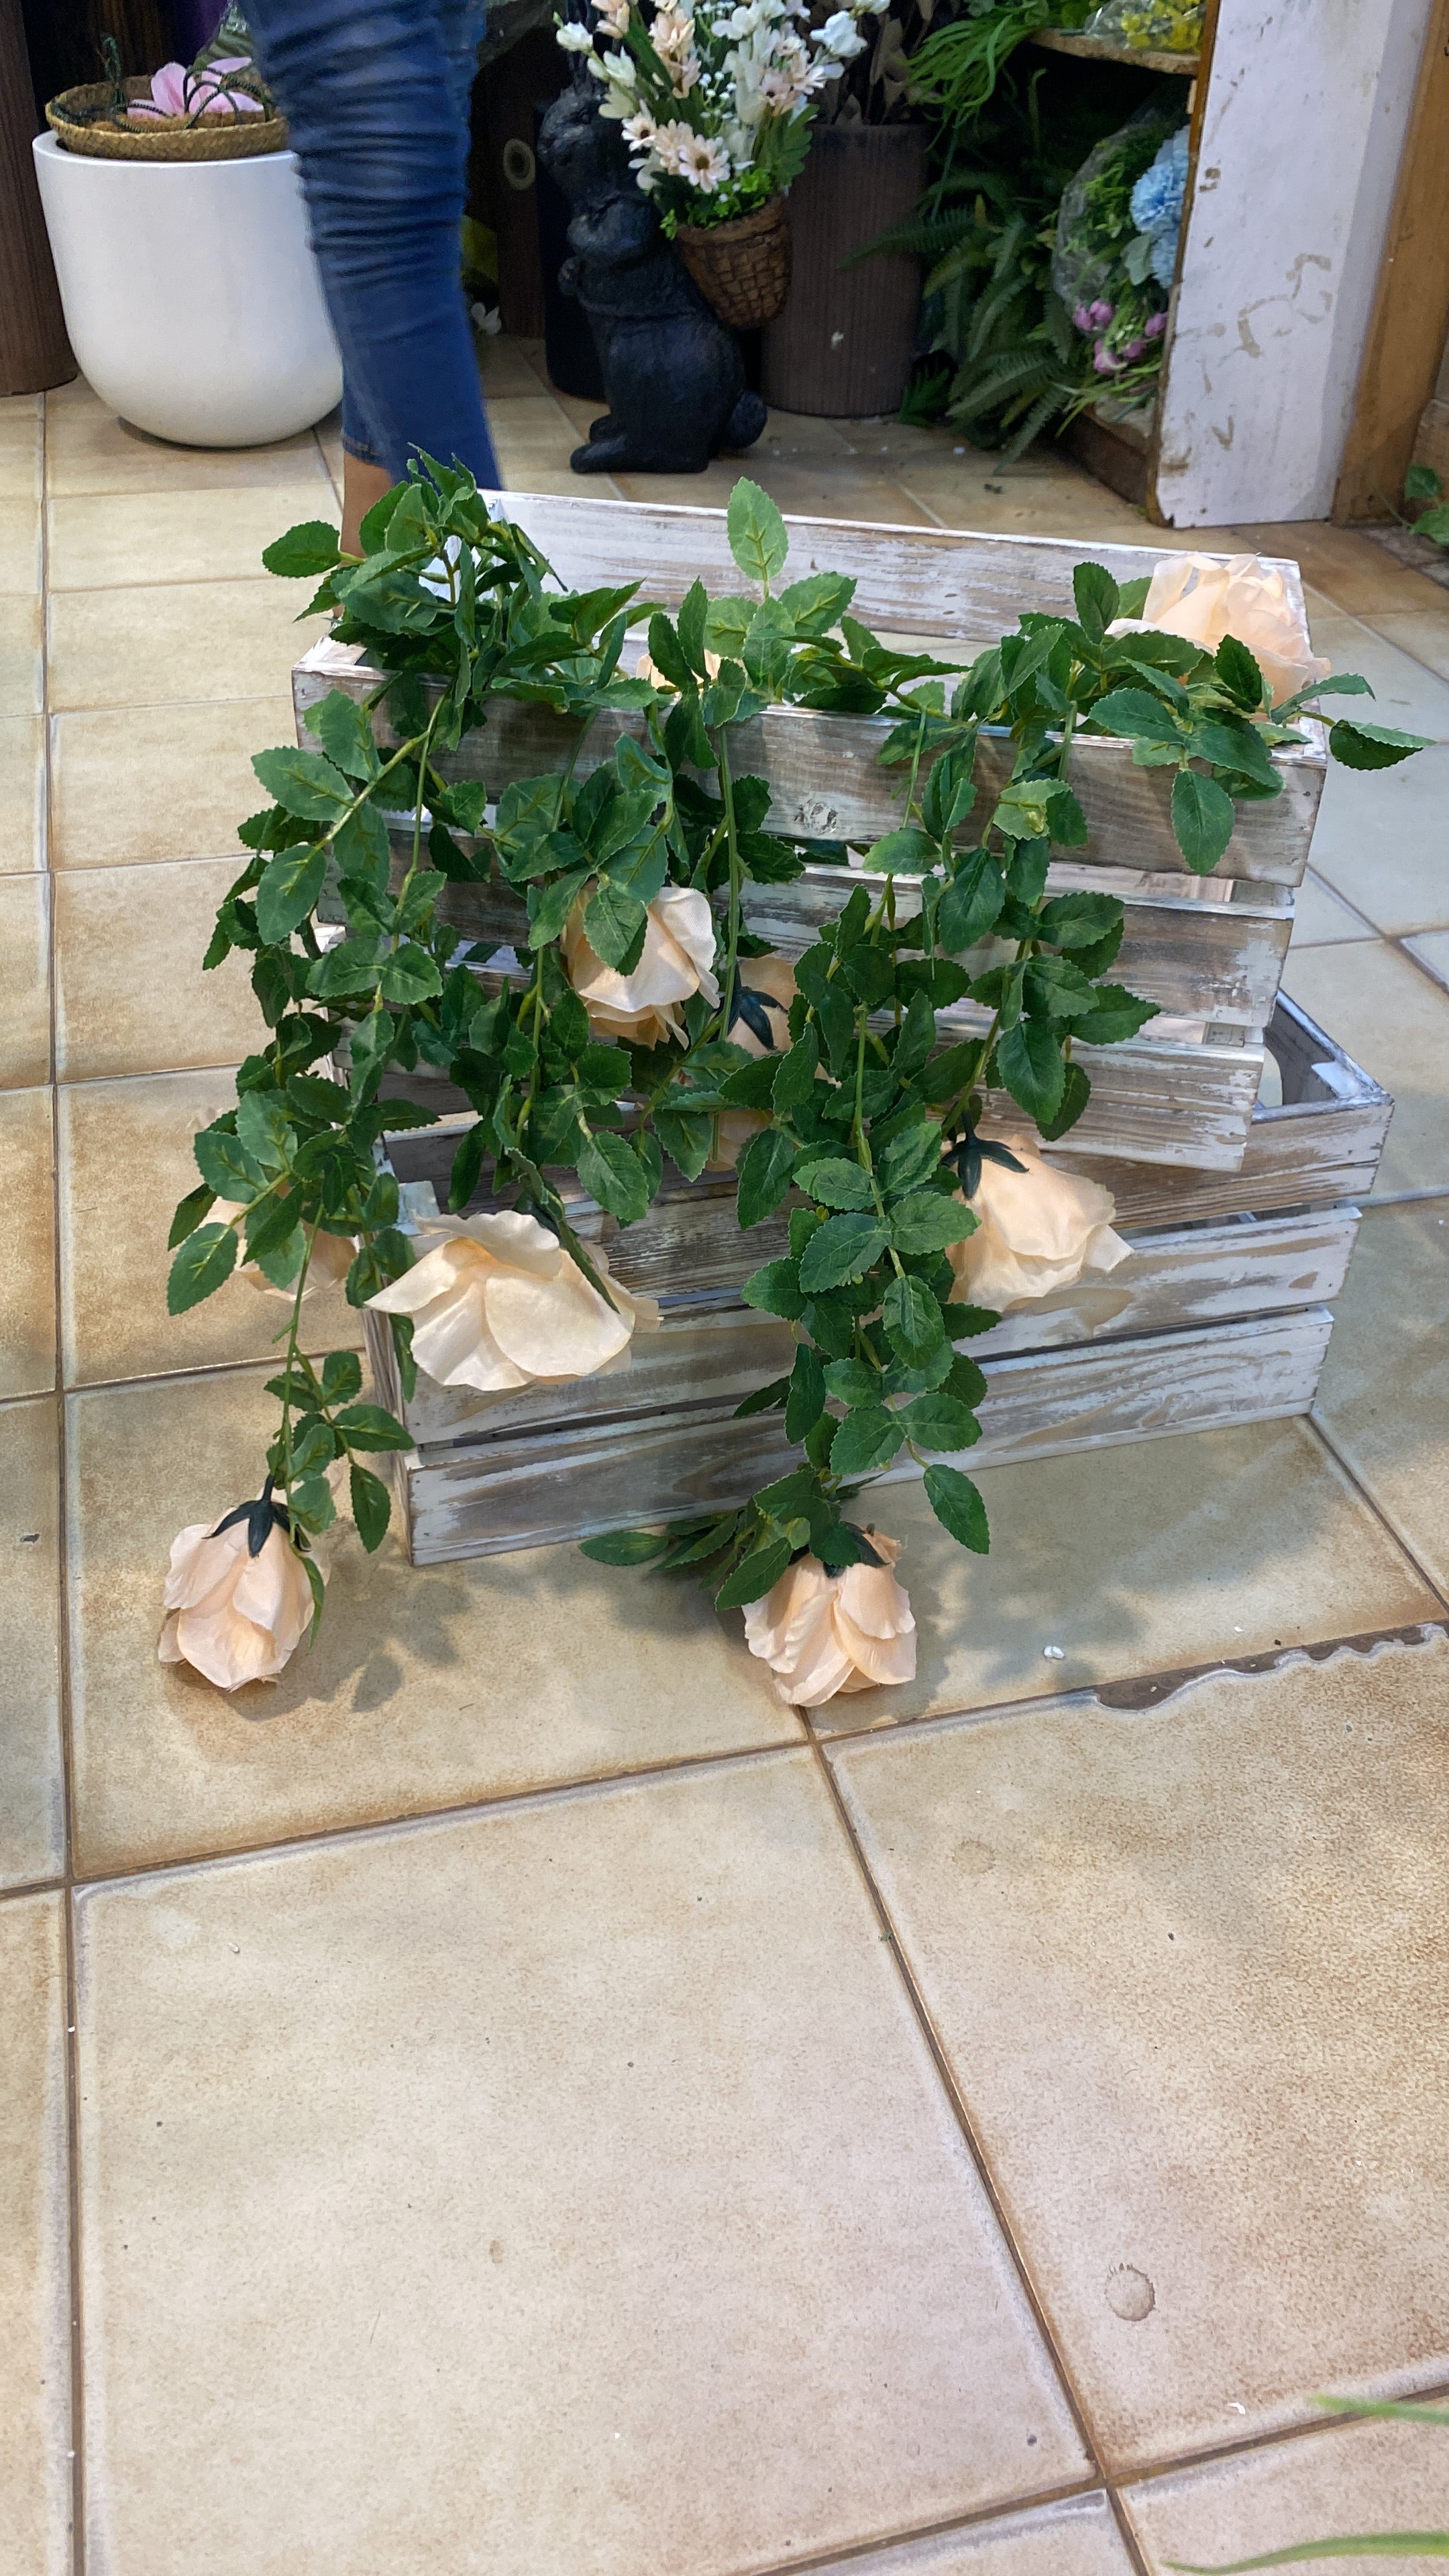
(1082,318)
(1134,349)
(1100,314)
(1104,362)
(1154,329)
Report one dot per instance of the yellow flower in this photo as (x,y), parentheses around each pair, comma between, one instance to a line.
(826,1633)
(1038,1230)
(234,1616)
(677,962)
(1192,596)
(496,1302)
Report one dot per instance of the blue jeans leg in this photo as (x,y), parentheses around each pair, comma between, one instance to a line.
(375,93)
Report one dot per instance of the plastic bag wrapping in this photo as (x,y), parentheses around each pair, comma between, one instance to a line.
(1113,276)
(1149,26)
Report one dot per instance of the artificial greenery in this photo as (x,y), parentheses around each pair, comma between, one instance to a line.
(1361,2544)
(869,1116)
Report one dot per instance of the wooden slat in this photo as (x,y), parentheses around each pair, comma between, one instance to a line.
(535,1487)
(829,786)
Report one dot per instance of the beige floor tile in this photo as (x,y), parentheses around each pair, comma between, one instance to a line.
(1321,918)
(32,1824)
(1145,1559)
(1077,2537)
(21,456)
(529,474)
(1424,634)
(184,640)
(1393,1021)
(1379,832)
(20,556)
(21,681)
(531,425)
(508,371)
(1187,1968)
(35,2473)
(99,540)
(24,981)
(22,794)
(1384,1396)
(27,1273)
(1357,575)
(131,996)
(1360,2478)
(1431,951)
(805,487)
(425,1688)
(979,492)
(89,450)
(565,2189)
(126,1159)
(151,783)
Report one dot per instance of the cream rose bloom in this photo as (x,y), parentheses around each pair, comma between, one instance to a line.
(234,1616)
(1203,601)
(825,1633)
(677,962)
(1039,1230)
(497,1302)
(332,1257)
(773,978)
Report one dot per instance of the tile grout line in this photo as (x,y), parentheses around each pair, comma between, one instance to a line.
(72,2073)
(1316,1425)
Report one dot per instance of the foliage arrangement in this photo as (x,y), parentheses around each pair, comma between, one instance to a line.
(957,68)
(862,1106)
(715,103)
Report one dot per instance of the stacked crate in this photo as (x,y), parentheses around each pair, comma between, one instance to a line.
(1241,1214)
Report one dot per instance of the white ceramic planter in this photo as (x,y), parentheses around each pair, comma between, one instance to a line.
(191,295)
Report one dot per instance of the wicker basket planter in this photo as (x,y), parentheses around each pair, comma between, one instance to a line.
(79,120)
(742,268)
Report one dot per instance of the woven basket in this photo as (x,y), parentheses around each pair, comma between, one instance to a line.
(741,268)
(79,121)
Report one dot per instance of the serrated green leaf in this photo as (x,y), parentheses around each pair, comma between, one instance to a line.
(370,1426)
(908,851)
(206,1259)
(615,923)
(1076,1092)
(912,1318)
(1136,715)
(189,1214)
(288,891)
(765,1168)
(930,1222)
(757,536)
(625,1547)
(1366,746)
(793,1080)
(835,1183)
(305,782)
(958,1507)
(226,1166)
(371,1506)
(775,1289)
(757,1575)
(806,1400)
(1202,819)
(866,1441)
(843,1249)
(305,552)
(939,1421)
(409,974)
(612,1173)
(853,1382)
(971,904)
(910,1159)
(1096,595)
(345,735)
(1029,1060)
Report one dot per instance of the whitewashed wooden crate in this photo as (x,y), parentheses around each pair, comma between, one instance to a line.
(1208,951)
(1219,1316)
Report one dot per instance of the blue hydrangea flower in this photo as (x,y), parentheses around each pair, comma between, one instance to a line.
(1157,204)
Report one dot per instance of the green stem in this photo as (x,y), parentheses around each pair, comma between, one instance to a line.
(291,1360)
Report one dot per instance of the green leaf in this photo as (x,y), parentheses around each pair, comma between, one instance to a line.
(1096,595)
(764,1175)
(226,1166)
(865,1441)
(853,1382)
(665,652)
(369,1426)
(263,1127)
(1076,1092)
(971,903)
(1364,2544)
(290,886)
(930,1222)
(305,552)
(554,904)
(1079,920)
(794,1076)
(726,626)
(1366,746)
(625,1547)
(345,735)
(775,1289)
(758,1574)
(409,975)
(613,1174)
(693,609)
(1118,1015)
(765,1399)
(614,925)
(204,1261)
(1136,715)
(341,1377)
(958,1507)
(1029,1060)
(940,1422)
(1202,819)
(1231,743)
(806,1400)
(908,850)
(910,1159)
(350,967)
(685,1139)
(1239,673)
(305,782)
(757,535)
(189,1214)
(912,1318)
(371,1506)
(835,1183)
(843,1249)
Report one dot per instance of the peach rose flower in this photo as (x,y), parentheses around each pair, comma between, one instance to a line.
(233,1614)
(1039,1230)
(773,979)
(677,962)
(497,1302)
(824,1633)
(1203,601)
(332,1257)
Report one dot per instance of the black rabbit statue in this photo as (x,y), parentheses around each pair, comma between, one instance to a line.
(673,374)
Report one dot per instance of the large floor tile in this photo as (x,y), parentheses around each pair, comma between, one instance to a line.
(1384,1396)
(27,1272)
(804,486)
(35,2473)
(1077,2537)
(126,1160)
(507,370)
(1150,1558)
(89,450)
(21,686)
(1394,1021)
(1424,633)
(101,539)
(24,980)
(426,1687)
(22,794)
(564,2190)
(186,640)
(1431,950)
(1187,1967)
(20,551)
(20,456)
(166,782)
(973,491)
(32,1829)
(1361,578)
(1363,2477)
(1379,835)
(131,996)
(1321,918)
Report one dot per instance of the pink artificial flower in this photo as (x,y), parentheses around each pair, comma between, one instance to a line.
(1101,314)
(1134,349)
(1104,364)
(1082,318)
(174,93)
(1154,329)
(168,95)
